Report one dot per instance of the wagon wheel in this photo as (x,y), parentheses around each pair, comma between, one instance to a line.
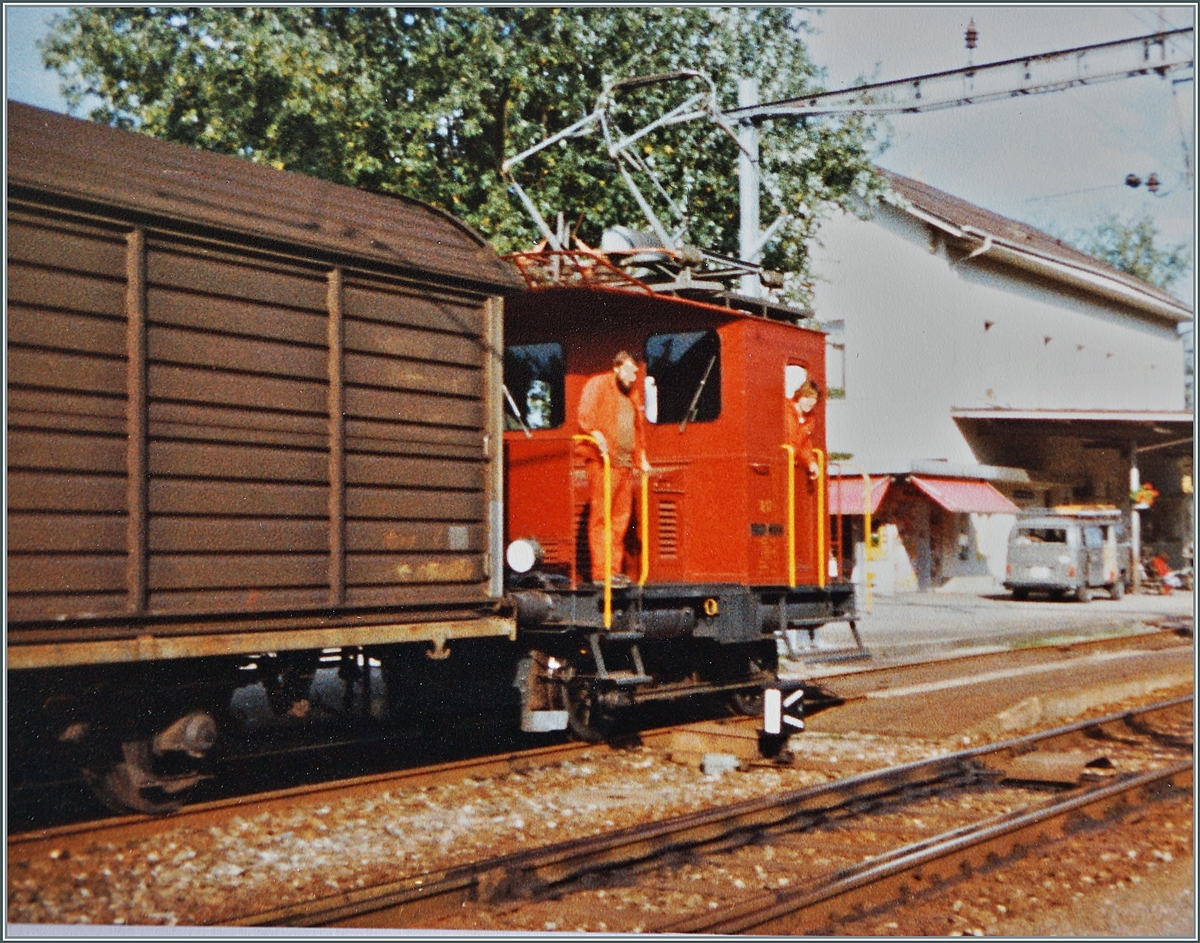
(588,717)
(131,785)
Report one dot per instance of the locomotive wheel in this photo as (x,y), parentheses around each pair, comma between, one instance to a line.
(589,719)
(747,703)
(750,702)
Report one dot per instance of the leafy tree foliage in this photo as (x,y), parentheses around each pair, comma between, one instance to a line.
(1134,246)
(429,102)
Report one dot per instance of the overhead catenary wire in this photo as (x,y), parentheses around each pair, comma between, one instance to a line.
(1055,196)
(1158,53)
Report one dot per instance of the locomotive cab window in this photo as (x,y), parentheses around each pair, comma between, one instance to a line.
(794,376)
(534,385)
(683,377)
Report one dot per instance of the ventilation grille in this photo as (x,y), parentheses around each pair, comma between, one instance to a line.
(668,530)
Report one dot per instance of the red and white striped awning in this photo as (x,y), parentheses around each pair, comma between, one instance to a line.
(847,495)
(962,496)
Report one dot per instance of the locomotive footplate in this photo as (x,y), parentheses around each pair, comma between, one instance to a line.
(659,643)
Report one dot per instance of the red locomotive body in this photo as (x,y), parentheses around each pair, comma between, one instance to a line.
(718,493)
(718,570)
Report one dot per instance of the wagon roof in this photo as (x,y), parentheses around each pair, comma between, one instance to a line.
(151,179)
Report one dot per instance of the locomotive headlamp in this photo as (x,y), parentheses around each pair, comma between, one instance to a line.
(523,554)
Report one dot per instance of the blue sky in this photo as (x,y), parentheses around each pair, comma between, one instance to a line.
(1057,161)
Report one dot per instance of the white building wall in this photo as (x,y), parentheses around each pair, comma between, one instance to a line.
(918,343)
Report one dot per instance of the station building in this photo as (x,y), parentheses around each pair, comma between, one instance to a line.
(977,367)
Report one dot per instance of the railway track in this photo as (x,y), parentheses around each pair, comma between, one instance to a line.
(428,899)
(283,761)
(930,865)
(69,838)
(97,845)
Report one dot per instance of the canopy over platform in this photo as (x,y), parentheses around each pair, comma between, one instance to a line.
(997,435)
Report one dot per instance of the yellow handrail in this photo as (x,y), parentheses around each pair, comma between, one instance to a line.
(644,573)
(607,527)
(791,512)
(867,554)
(822,554)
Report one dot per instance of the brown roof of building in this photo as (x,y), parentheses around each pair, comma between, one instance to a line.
(155,180)
(1022,236)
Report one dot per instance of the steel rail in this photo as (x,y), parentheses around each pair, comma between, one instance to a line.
(413,900)
(137,826)
(864,676)
(453,771)
(929,865)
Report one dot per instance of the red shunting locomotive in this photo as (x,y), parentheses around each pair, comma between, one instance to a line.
(730,539)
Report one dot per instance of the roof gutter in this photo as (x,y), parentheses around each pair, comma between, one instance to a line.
(1078,276)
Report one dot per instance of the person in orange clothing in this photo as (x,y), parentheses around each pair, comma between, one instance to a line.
(611,412)
(799,423)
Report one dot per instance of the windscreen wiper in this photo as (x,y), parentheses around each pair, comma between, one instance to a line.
(692,407)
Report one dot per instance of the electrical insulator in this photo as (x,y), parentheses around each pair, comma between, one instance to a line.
(1152,183)
(1133,180)
(972,34)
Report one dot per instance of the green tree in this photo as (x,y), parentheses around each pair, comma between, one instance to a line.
(1134,246)
(429,102)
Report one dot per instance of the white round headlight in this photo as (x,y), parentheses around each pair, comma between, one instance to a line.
(523,555)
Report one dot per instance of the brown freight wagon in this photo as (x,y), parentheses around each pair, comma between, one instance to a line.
(252,416)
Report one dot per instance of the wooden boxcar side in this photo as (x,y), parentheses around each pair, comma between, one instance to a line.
(247,410)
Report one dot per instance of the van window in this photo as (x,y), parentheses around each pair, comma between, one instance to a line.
(534,384)
(683,377)
(1040,535)
(1093,538)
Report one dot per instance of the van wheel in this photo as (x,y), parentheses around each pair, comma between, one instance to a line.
(1084,594)
(1117,590)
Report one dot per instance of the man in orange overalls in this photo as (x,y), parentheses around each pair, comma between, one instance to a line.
(611,412)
